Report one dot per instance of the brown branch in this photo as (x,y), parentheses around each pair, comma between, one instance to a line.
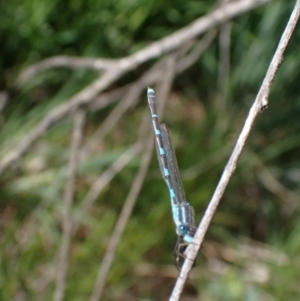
(63,256)
(260,103)
(126,64)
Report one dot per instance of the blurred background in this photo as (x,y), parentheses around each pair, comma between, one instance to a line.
(85,214)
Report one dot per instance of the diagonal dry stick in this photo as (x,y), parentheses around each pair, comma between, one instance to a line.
(259,104)
(121,66)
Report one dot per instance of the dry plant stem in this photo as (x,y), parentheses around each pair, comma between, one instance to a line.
(121,66)
(63,61)
(63,256)
(135,188)
(259,103)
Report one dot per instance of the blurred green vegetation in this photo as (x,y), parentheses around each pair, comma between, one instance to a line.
(203,132)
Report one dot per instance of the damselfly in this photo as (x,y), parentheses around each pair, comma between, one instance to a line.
(183,213)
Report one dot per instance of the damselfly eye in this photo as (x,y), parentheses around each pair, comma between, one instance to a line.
(182,230)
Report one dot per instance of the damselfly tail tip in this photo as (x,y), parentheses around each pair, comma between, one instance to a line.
(150,90)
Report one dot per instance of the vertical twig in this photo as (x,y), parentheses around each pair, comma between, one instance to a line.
(260,103)
(63,256)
